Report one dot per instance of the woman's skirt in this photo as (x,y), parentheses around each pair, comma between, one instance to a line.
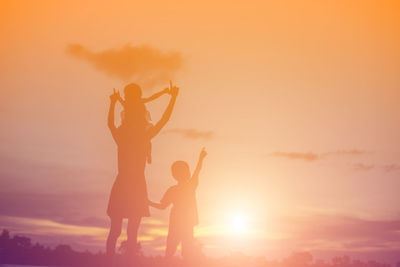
(129,197)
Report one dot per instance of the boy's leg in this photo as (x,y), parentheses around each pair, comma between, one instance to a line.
(187,241)
(115,232)
(173,240)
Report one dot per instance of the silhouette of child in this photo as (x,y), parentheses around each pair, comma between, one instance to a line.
(133,97)
(183,215)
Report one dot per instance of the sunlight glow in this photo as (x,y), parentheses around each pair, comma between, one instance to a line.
(239,223)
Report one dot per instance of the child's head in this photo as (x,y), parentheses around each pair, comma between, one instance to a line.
(180,170)
(132,92)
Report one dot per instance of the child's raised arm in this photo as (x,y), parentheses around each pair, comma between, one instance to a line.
(155,96)
(195,177)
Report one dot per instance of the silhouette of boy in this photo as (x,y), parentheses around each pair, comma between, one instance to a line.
(183,215)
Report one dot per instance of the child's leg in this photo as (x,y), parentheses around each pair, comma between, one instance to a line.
(115,232)
(173,240)
(187,241)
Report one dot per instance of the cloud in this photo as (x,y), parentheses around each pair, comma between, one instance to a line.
(35,175)
(362,234)
(144,65)
(70,208)
(347,152)
(314,232)
(391,167)
(363,167)
(369,167)
(192,133)
(297,155)
(310,156)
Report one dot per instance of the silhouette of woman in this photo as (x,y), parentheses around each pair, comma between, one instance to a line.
(128,198)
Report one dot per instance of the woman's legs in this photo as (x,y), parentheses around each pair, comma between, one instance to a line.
(115,232)
(132,231)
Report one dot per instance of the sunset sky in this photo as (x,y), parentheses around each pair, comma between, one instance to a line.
(297,103)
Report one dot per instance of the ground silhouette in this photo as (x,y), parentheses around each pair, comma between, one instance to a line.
(20,250)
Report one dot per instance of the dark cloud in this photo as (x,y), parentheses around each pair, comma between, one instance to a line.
(144,65)
(310,156)
(192,133)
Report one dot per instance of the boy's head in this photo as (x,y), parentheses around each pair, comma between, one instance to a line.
(132,91)
(180,170)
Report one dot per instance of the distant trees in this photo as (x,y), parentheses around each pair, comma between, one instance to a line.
(20,250)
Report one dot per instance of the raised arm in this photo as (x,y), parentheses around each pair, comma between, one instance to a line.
(111,123)
(155,96)
(195,177)
(167,114)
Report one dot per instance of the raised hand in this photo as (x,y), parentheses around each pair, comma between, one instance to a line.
(115,96)
(174,91)
(119,98)
(203,153)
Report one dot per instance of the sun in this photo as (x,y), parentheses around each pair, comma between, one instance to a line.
(239,223)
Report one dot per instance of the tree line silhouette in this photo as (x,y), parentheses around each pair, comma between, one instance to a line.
(20,250)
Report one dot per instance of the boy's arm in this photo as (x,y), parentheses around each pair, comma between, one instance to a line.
(111,123)
(195,177)
(160,206)
(155,96)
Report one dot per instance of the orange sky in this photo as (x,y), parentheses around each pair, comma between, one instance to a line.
(301,98)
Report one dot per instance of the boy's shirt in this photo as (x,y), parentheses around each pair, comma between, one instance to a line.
(183,198)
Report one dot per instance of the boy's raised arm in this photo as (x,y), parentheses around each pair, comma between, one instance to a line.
(155,96)
(195,177)
(167,114)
